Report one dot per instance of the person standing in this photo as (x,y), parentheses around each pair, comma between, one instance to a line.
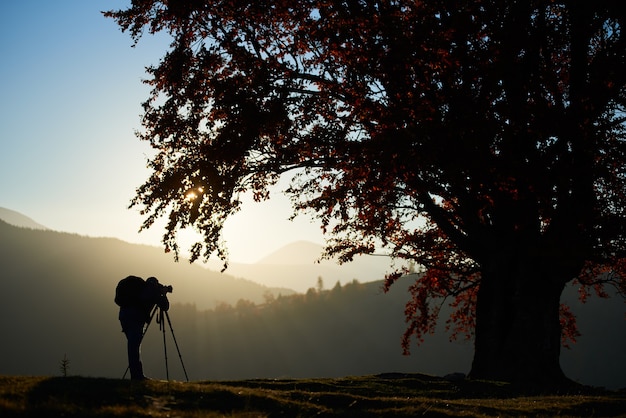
(136,299)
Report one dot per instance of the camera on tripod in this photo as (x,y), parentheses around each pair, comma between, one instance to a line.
(165,289)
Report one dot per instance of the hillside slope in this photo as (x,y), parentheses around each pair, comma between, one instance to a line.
(388,395)
(58,289)
(57,292)
(17,219)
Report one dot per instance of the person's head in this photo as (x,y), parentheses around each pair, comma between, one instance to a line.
(152,281)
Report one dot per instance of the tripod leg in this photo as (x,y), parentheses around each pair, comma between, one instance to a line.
(143,333)
(176,343)
(167,371)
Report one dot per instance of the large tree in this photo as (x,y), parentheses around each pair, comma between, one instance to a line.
(483,140)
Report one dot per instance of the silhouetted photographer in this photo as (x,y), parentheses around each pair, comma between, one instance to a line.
(138,301)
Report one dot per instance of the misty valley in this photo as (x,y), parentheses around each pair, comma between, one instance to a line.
(57,302)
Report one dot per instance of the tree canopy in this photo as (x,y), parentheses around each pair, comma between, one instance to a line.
(483,140)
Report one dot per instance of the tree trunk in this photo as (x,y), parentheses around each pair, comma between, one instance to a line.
(518,333)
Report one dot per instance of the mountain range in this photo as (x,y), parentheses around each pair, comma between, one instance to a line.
(17,219)
(297,266)
(57,300)
(294,267)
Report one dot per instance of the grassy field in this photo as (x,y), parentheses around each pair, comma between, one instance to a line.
(393,395)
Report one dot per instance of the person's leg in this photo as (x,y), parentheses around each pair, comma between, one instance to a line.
(133,334)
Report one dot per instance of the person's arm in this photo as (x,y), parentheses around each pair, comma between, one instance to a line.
(156,294)
(163,302)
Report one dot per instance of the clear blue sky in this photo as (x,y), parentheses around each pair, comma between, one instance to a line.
(70,102)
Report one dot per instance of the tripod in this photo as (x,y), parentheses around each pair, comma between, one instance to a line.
(161,323)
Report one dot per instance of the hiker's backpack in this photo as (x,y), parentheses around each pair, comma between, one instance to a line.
(128,290)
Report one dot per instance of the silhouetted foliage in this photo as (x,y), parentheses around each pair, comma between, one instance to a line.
(483,140)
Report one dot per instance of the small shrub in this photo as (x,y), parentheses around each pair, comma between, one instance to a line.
(65,365)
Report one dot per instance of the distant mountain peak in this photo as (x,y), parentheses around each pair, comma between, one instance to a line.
(17,219)
(298,252)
